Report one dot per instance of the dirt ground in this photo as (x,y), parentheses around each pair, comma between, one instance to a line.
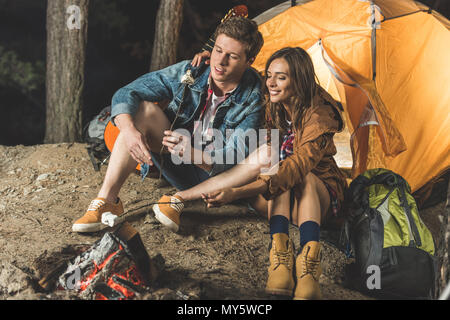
(218,253)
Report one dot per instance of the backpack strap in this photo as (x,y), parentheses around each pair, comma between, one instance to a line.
(404,203)
(356,191)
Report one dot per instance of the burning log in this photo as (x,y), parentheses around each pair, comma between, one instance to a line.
(117,267)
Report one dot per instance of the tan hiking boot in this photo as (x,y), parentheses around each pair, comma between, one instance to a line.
(92,219)
(308,271)
(168,211)
(281,275)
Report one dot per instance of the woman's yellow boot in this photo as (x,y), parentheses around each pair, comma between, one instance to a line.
(281,269)
(308,271)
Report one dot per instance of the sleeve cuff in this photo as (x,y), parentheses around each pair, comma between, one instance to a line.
(273,187)
(121,108)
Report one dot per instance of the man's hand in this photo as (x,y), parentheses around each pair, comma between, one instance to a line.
(199,57)
(180,146)
(137,145)
(176,143)
(135,141)
(219,198)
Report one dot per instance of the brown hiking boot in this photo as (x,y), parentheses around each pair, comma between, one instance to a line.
(92,219)
(308,271)
(281,275)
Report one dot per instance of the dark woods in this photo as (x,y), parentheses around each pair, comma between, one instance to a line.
(120,38)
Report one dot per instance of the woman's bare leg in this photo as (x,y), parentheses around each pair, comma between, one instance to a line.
(280,206)
(239,175)
(313,203)
(308,212)
(260,204)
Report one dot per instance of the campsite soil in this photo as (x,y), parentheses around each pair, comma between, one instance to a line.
(219,253)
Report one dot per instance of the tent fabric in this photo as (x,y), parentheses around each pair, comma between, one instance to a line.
(389,65)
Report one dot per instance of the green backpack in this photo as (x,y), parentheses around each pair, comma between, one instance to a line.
(393,249)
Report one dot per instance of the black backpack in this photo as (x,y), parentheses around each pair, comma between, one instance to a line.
(392,247)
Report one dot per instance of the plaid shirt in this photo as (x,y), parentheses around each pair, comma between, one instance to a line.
(287,147)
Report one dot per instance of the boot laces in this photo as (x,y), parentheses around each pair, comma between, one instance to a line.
(283,257)
(95,205)
(309,266)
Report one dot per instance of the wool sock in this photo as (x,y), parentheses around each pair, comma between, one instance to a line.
(278,224)
(309,231)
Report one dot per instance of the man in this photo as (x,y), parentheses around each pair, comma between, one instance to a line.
(224,95)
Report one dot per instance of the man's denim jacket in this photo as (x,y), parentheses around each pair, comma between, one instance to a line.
(241,111)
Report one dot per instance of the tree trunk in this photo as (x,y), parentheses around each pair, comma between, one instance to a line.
(167,30)
(66,50)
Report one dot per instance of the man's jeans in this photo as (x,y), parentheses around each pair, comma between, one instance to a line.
(182,176)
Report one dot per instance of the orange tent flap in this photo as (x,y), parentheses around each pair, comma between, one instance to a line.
(413,80)
(305,24)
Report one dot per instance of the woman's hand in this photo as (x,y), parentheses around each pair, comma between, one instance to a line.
(199,57)
(219,198)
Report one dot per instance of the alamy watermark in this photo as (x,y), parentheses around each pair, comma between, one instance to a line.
(374,280)
(75,18)
(73,282)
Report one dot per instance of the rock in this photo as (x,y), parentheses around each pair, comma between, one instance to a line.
(27,191)
(43,177)
(12,279)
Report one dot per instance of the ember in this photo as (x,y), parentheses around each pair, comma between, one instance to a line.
(117,267)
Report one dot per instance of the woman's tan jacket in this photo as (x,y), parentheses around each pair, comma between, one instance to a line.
(314,149)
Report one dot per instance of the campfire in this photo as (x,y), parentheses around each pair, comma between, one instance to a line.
(117,267)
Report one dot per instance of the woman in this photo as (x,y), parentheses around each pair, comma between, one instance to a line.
(305,187)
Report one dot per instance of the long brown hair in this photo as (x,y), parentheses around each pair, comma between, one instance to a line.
(303,85)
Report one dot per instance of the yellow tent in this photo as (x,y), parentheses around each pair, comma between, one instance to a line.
(388,62)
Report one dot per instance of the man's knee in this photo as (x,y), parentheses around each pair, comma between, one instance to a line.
(147,111)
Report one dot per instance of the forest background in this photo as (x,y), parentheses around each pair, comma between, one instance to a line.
(119,47)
